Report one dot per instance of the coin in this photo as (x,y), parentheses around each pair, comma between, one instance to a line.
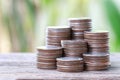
(70,63)
(73,54)
(77,30)
(95,34)
(58,29)
(41,65)
(49,49)
(80,25)
(60,34)
(75,50)
(56,39)
(45,55)
(69,59)
(79,20)
(92,41)
(98,45)
(54,44)
(96,68)
(99,50)
(97,38)
(46,60)
(73,42)
(61,69)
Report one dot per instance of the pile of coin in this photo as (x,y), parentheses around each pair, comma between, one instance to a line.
(79,26)
(74,48)
(70,64)
(97,42)
(96,62)
(46,56)
(56,34)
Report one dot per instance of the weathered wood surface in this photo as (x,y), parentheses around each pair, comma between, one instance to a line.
(23,67)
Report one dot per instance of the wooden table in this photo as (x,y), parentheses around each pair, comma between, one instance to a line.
(22,66)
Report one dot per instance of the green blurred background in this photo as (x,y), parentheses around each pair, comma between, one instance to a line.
(23,22)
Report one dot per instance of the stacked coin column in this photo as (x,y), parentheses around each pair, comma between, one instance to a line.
(46,57)
(70,64)
(74,48)
(97,42)
(96,62)
(79,26)
(98,57)
(56,34)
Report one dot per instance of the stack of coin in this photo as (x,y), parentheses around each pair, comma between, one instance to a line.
(96,62)
(70,64)
(74,48)
(46,56)
(79,26)
(97,42)
(56,34)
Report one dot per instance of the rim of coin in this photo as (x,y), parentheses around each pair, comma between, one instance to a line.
(82,42)
(58,28)
(69,70)
(58,38)
(61,34)
(48,47)
(53,44)
(79,23)
(77,30)
(95,54)
(71,66)
(78,33)
(88,23)
(82,19)
(97,33)
(81,26)
(69,59)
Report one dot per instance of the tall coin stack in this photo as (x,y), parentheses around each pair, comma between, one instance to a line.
(70,64)
(74,48)
(79,26)
(56,34)
(94,62)
(97,42)
(46,57)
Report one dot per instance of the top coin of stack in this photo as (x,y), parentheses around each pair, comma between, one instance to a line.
(79,26)
(56,34)
(97,42)
(46,56)
(74,48)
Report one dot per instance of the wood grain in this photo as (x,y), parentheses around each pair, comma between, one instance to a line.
(22,66)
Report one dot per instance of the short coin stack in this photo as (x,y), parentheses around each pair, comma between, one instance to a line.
(97,42)
(46,56)
(94,62)
(74,48)
(56,34)
(79,26)
(70,64)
